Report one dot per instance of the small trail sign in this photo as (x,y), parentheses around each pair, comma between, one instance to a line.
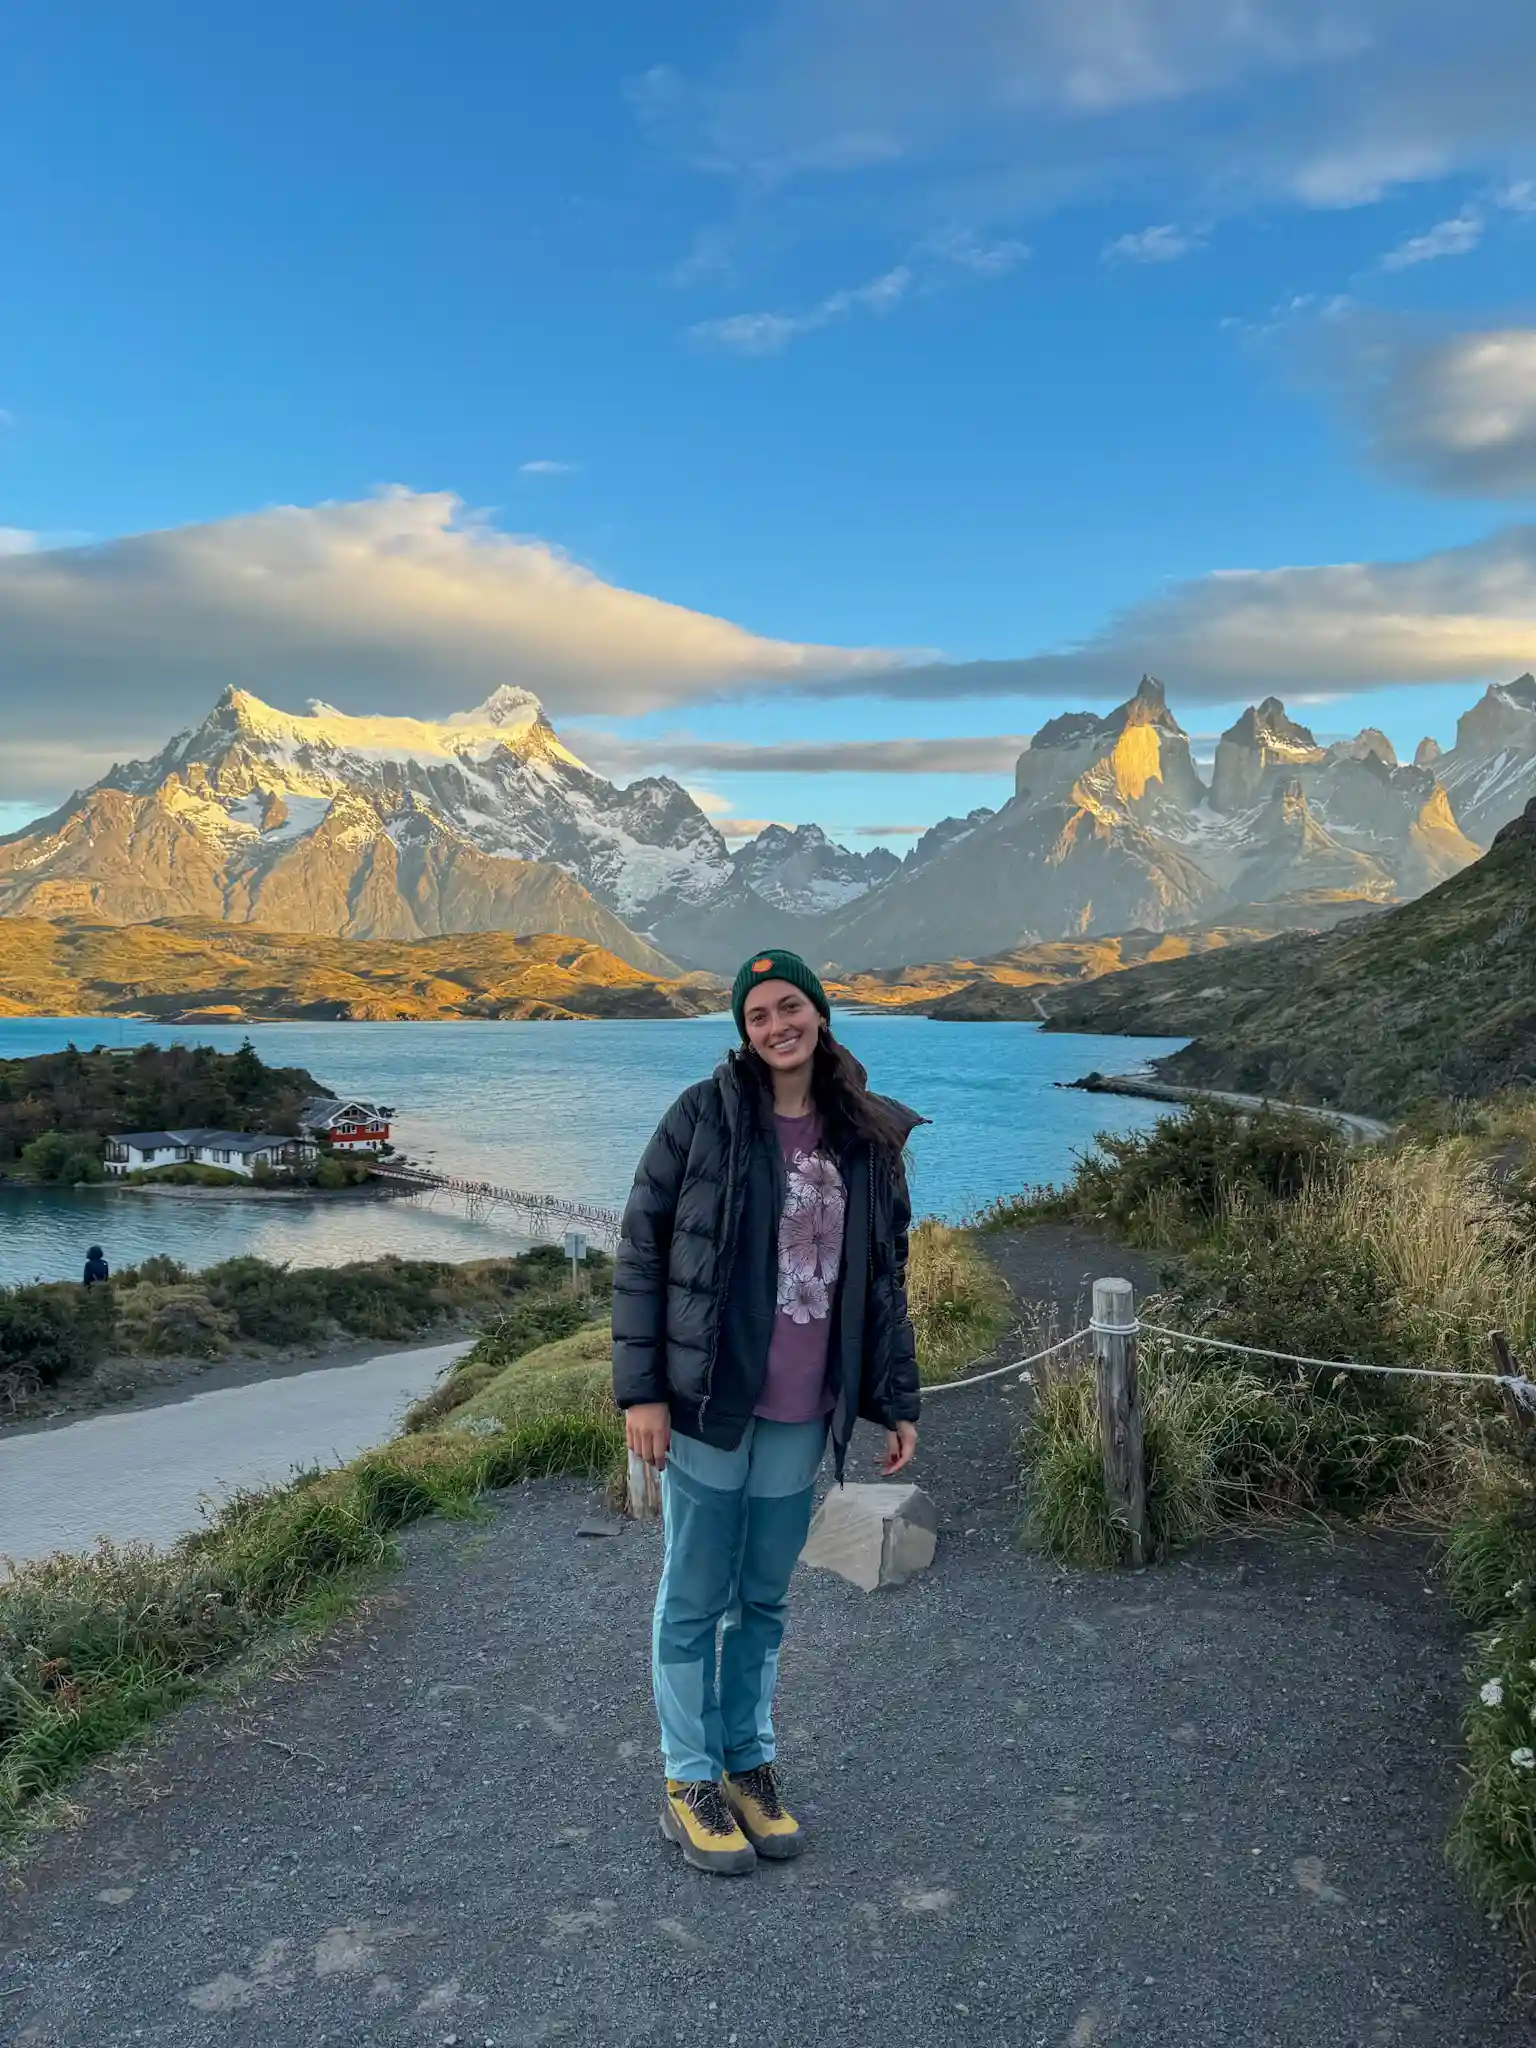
(576,1252)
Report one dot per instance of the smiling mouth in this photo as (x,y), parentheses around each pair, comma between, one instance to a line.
(786,1044)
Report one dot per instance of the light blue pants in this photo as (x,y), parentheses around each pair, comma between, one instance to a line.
(734,1523)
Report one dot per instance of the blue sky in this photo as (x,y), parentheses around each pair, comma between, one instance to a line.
(984,332)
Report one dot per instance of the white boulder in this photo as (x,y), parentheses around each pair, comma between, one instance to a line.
(873,1535)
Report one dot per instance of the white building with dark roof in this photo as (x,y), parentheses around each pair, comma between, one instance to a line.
(232,1151)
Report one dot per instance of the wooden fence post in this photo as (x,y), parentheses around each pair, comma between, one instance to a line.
(643,1493)
(1125,1472)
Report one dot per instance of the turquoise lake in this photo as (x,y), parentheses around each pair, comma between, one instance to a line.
(566,1109)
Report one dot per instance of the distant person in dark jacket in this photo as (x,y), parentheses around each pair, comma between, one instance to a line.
(759,1308)
(96,1267)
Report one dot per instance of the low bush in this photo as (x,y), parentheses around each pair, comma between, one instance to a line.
(1172,1182)
(50,1330)
(184,1173)
(1222,1446)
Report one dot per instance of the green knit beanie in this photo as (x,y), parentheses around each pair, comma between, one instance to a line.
(775,965)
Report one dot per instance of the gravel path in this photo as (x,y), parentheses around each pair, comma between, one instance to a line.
(1202,1805)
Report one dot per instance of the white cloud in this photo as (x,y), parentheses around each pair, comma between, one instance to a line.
(621,756)
(1456,237)
(1519,197)
(1165,244)
(542,466)
(16,540)
(1464,614)
(1322,102)
(889,831)
(1457,414)
(402,602)
(766,334)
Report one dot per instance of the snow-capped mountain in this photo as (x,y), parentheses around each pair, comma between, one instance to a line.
(498,776)
(1490,773)
(803,871)
(402,828)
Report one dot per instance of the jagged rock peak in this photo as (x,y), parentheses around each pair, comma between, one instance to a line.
(1427,752)
(1369,741)
(1269,725)
(1147,706)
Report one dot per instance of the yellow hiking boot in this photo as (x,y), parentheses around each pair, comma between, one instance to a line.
(754,1799)
(697,1818)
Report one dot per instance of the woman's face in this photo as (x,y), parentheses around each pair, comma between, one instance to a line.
(782,1024)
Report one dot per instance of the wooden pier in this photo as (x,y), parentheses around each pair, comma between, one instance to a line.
(548,1216)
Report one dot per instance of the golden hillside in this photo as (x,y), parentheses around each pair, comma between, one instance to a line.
(197,969)
(1001,985)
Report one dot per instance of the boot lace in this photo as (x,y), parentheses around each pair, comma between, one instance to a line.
(706,1802)
(760,1785)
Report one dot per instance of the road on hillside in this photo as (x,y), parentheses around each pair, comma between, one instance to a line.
(141,1475)
(1198,1807)
(1358,1130)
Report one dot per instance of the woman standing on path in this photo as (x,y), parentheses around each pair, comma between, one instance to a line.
(759,1307)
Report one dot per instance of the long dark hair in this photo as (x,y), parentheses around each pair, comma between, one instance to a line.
(850,1115)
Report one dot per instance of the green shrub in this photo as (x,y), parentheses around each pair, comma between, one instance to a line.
(50,1330)
(1223,1445)
(156,1271)
(1489,1560)
(270,1304)
(1493,1842)
(185,1173)
(62,1159)
(1182,1174)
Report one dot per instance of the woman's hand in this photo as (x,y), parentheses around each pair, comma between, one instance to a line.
(900,1444)
(648,1431)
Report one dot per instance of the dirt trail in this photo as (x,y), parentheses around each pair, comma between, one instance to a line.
(1201,1807)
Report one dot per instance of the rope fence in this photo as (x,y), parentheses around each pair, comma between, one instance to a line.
(1114,1329)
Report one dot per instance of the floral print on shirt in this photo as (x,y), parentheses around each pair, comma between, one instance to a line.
(810,1237)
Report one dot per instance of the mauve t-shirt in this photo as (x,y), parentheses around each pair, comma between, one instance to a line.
(810,1257)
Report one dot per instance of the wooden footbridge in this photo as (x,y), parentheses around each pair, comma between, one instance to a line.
(548,1216)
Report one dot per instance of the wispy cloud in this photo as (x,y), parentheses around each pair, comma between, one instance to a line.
(16,540)
(932,262)
(1300,101)
(542,466)
(766,334)
(967,250)
(1163,244)
(621,755)
(1458,236)
(889,831)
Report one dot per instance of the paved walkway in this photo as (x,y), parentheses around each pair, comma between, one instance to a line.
(1201,1807)
(139,1475)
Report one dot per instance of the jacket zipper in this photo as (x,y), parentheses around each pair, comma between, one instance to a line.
(727,1266)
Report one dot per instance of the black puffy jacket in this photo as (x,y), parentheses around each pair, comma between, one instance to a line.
(696,1278)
